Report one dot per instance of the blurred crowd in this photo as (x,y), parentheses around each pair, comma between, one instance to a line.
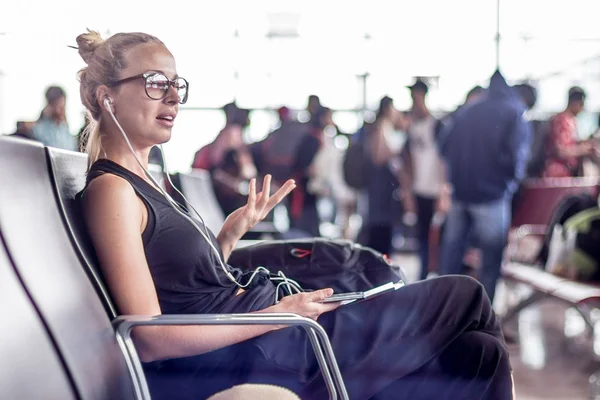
(455,174)
(409,170)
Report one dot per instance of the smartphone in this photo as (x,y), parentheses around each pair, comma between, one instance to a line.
(337,297)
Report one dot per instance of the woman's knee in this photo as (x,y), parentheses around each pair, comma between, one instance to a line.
(465,286)
(477,365)
(465,299)
(477,355)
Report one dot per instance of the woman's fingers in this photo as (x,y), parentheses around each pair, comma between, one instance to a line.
(280,194)
(260,205)
(319,295)
(266,192)
(252,194)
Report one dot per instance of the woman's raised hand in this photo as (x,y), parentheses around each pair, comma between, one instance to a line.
(258,207)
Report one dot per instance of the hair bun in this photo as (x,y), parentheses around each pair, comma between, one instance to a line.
(88,43)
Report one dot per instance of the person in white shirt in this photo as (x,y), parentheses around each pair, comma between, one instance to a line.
(423,181)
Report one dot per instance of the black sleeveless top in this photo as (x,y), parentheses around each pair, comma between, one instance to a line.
(187,274)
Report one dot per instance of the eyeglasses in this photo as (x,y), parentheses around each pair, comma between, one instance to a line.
(157,85)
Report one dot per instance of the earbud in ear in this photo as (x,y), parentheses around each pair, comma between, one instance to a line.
(108,103)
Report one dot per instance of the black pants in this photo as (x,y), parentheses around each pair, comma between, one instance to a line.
(434,339)
(380,238)
(425,211)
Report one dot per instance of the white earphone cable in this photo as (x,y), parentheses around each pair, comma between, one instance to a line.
(289,283)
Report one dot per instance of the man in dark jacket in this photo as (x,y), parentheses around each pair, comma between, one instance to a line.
(485,149)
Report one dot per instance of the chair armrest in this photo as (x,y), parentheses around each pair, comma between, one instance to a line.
(521,233)
(317,335)
(528,230)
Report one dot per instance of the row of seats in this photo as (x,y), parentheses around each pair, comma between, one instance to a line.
(539,199)
(64,338)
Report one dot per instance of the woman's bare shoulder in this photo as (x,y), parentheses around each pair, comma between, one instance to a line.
(109,194)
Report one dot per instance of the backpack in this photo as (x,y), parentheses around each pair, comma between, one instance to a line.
(355,166)
(320,263)
(575,247)
(568,207)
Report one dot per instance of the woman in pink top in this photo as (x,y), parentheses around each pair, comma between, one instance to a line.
(230,138)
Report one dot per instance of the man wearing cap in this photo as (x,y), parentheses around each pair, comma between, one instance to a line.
(423,178)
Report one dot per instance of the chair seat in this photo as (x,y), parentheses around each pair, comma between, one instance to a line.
(545,282)
(533,276)
(577,292)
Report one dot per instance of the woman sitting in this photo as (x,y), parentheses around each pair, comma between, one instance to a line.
(434,339)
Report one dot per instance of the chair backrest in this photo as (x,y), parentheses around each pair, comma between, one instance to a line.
(68,175)
(52,273)
(30,367)
(157,173)
(198,189)
(540,197)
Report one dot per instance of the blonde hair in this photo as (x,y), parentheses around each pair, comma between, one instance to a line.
(104,59)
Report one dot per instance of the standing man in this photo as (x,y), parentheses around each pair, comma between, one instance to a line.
(422,182)
(486,149)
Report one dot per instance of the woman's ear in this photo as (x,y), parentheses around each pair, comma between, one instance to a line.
(105,99)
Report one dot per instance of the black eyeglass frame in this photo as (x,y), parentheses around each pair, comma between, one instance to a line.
(146,75)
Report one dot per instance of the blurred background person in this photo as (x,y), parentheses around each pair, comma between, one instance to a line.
(229,160)
(313,105)
(276,153)
(337,200)
(565,152)
(51,128)
(423,177)
(474,95)
(303,213)
(485,150)
(24,130)
(378,197)
(229,138)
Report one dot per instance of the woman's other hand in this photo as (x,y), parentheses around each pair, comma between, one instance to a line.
(306,304)
(258,207)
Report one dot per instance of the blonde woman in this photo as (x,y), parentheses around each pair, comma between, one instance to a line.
(436,339)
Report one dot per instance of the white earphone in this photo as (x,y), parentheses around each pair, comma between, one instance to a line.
(283,281)
(108,103)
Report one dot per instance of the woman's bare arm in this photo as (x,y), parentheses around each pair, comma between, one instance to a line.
(115,218)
